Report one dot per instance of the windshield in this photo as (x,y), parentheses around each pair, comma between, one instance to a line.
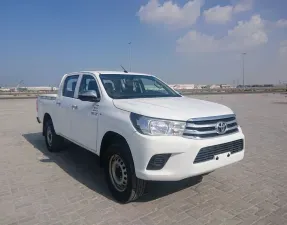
(120,86)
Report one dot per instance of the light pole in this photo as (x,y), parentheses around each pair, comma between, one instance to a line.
(130,55)
(243,72)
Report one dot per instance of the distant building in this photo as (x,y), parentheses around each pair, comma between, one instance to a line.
(182,86)
(227,86)
(256,86)
(221,86)
(24,89)
(201,86)
(4,89)
(41,88)
(214,86)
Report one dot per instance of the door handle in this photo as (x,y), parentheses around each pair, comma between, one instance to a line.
(74,107)
(58,103)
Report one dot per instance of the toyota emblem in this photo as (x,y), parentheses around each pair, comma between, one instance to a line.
(221,127)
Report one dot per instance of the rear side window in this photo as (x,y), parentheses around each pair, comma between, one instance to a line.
(70,86)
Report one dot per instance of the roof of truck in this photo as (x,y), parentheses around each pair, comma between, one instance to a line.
(115,72)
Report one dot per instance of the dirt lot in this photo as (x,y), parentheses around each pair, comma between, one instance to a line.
(37,187)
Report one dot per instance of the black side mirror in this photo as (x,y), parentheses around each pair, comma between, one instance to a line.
(89,96)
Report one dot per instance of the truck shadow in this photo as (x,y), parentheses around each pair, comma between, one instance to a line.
(83,166)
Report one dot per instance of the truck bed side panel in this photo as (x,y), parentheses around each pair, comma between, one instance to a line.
(47,104)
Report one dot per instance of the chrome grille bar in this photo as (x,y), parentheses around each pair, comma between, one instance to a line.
(199,132)
(205,127)
(191,125)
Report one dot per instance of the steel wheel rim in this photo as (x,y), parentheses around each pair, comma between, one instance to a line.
(118,173)
(49,136)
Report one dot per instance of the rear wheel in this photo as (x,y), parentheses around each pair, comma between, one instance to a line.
(120,174)
(53,141)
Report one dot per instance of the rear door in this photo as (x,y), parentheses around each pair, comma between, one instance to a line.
(64,105)
(84,117)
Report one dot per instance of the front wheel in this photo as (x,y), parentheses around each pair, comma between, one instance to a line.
(120,174)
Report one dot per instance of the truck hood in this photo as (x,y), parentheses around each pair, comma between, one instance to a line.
(173,108)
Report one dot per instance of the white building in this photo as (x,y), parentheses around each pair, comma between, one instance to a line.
(41,88)
(215,86)
(182,86)
(221,86)
(23,89)
(4,89)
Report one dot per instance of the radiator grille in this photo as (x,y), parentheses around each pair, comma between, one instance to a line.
(208,153)
(199,128)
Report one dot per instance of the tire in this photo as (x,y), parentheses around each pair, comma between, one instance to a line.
(119,156)
(53,141)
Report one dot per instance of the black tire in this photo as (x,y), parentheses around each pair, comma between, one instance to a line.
(53,141)
(134,187)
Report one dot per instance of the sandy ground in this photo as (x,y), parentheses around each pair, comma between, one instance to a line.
(68,187)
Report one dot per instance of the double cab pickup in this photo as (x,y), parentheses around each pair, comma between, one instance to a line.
(140,128)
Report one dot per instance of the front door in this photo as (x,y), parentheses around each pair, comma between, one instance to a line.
(84,117)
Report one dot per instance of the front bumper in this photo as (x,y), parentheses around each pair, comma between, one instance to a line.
(183,152)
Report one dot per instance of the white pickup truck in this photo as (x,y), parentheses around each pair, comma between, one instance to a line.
(140,127)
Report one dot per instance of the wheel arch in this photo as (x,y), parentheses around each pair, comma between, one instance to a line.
(109,138)
(47,117)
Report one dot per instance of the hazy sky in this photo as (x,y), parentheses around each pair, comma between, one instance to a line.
(180,41)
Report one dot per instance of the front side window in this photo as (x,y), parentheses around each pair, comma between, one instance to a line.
(88,83)
(70,86)
(120,86)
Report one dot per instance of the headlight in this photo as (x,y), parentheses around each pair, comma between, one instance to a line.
(157,127)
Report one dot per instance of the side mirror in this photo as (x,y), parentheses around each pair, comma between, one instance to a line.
(89,96)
